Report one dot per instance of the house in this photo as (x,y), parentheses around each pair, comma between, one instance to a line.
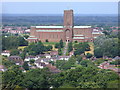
(71,53)
(105,57)
(54,53)
(47,55)
(28,58)
(43,60)
(53,59)
(17,59)
(40,64)
(6,53)
(103,65)
(2,68)
(116,58)
(52,68)
(64,57)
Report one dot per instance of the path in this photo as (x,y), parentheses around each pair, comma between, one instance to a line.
(65,48)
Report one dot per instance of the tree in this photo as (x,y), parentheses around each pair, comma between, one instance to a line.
(36,78)
(70,48)
(98,52)
(14,52)
(46,40)
(32,61)
(79,59)
(76,41)
(84,63)
(12,77)
(23,54)
(106,46)
(12,42)
(61,43)
(25,65)
(22,41)
(78,52)
(59,51)
(26,36)
(57,45)
(89,55)
(49,48)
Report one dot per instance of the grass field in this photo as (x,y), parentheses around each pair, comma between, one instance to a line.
(91,48)
(50,43)
(21,47)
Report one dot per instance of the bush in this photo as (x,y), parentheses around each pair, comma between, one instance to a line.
(89,55)
(46,40)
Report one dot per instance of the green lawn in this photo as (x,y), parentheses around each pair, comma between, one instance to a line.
(49,43)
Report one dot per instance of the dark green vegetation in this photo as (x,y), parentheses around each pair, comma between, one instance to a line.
(65,65)
(116,62)
(12,42)
(28,20)
(89,55)
(70,47)
(84,75)
(60,46)
(107,45)
(25,66)
(37,48)
(81,48)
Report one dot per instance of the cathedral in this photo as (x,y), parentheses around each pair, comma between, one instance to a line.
(68,32)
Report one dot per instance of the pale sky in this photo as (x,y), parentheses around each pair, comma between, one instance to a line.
(58,7)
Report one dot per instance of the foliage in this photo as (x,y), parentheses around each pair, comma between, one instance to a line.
(12,77)
(36,78)
(12,42)
(23,54)
(25,65)
(57,45)
(105,46)
(52,62)
(81,48)
(59,51)
(64,65)
(99,61)
(89,55)
(85,63)
(14,52)
(49,48)
(32,61)
(22,41)
(116,62)
(98,52)
(26,36)
(76,41)
(8,63)
(37,48)
(79,59)
(84,77)
(60,44)
(70,48)
(46,40)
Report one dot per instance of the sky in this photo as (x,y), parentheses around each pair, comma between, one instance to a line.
(58,7)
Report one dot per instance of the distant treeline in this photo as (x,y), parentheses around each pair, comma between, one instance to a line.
(58,20)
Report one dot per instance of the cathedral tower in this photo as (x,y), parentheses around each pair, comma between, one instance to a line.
(68,25)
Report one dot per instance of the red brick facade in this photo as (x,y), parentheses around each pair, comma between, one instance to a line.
(68,32)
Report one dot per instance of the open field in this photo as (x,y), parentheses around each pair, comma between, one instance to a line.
(91,48)
(22,47)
